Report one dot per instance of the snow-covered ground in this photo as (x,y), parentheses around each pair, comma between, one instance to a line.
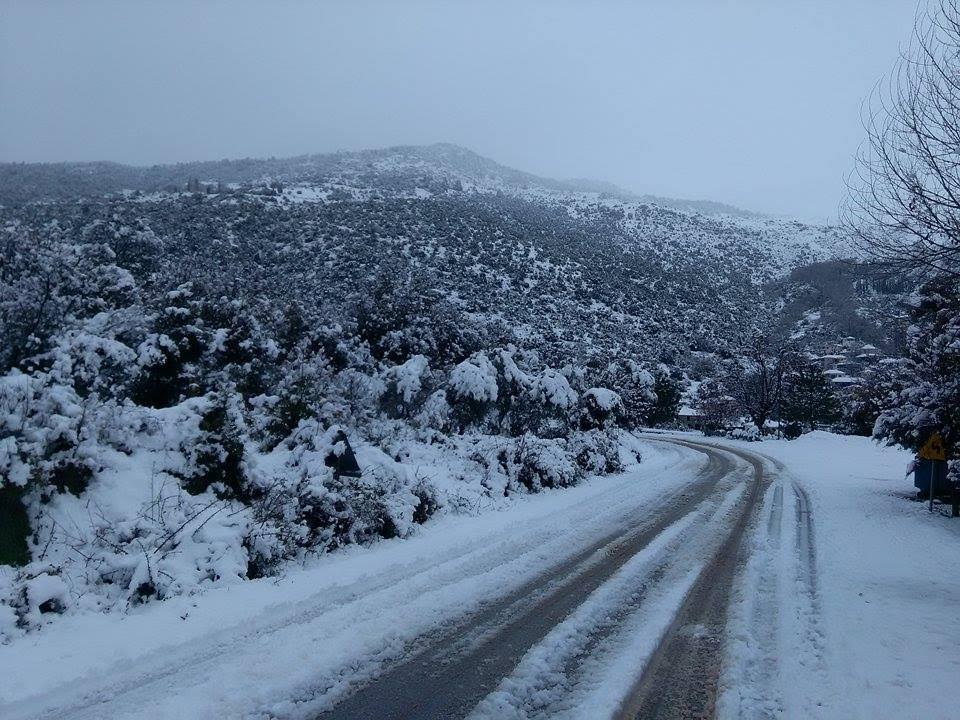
(867,625)
(845,605)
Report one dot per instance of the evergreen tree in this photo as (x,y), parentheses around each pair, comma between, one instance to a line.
(865,402)
(668,387)
(930,398)
(808,398)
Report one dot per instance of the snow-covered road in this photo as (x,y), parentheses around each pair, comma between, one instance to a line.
(706,580)
(294,648)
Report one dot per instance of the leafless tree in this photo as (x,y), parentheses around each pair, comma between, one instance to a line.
(904,199)
(757,385)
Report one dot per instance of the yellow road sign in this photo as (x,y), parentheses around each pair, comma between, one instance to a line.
(933,448)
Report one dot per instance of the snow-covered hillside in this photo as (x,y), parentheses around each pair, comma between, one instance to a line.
(552,259)
(179,362)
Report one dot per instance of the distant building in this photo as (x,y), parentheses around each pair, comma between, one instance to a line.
(690,418)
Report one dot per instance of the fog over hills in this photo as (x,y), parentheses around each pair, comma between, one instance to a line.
(23,182)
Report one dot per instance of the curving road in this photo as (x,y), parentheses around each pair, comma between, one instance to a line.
(608,600)
(476,668)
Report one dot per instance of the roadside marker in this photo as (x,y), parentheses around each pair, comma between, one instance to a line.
(934,451)
(934,448)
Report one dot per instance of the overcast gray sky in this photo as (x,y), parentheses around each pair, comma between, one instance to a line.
(753,103)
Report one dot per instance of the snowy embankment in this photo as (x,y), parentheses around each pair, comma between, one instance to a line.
(253,646)
(848,604)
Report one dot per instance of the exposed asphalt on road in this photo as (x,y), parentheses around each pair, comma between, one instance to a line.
(447,675)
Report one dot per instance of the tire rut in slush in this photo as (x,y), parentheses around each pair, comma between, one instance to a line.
(447,679)
(681,678)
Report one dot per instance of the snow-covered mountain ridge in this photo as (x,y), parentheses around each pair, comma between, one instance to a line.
(563,260)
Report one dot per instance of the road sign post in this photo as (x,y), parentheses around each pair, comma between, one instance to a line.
(935,450)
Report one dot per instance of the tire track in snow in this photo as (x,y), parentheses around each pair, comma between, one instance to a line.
(448,682)
(751,666)
(681,679)
(627,615)
(808,635)
(775,638)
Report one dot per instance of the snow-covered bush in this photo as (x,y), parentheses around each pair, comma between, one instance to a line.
(668,387)
(48,284)
(749,433)
(634,385)
(929,398)
(473,392)
(214,456)
(716,405)
(600,408)
(436,412)
(596,452)
(549,407)
(543,463)
(312,508)
(48,438)
(406,387)
(862,404)
(300,395)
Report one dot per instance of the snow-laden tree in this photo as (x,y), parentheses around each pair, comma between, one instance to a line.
(930,398)
(634,385)
(668,389)
(864,402)
(756,382)
(715,404)
(48,284)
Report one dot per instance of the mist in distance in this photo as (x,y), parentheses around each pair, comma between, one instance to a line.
(755,104)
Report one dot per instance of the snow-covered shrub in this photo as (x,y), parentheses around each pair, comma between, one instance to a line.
(8,599)
(214,456)
(634,385)
(406,387)
(600,408)
(90,358)
(402,314)
(436,412)
(300,395)
(553,388)
(749,432)
(49,284)
(928,398)
(551,404)
(596,452)
(330,510)
(716,405)
(862,404)
(238,346)
(473,391)
(47,438)
(168,359)
(668,386)
(176,544)
(515,413)
(32,596)
(543,463)
(792,430)
(428,501)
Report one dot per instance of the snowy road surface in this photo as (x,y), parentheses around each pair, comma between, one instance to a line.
(691,586)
